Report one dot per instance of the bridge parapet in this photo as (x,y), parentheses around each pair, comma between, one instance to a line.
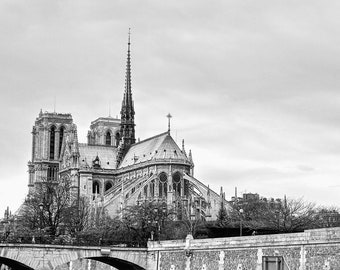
(43,257)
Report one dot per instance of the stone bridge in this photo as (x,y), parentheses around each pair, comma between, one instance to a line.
(310,250)
(43,257)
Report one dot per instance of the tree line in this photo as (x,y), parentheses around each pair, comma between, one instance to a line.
(285,215)
(52,215)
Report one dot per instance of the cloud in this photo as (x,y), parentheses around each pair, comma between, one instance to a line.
(253,86)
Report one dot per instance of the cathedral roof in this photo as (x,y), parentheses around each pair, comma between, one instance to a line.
(159,147)
(106,154)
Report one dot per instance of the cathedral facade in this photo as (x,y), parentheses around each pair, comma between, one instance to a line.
(115,171)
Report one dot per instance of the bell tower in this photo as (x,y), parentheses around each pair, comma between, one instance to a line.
(48,133)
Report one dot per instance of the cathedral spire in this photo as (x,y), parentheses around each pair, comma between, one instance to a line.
(127,100)
(127,113)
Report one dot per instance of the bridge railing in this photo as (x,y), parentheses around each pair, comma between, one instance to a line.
(68,240)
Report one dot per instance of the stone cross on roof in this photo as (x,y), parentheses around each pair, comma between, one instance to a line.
(169,116)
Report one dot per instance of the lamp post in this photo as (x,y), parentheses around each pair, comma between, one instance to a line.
(155,220)
(7,224)
(162,223)
(277,213)
(158,220)
(41,207)
(241,213)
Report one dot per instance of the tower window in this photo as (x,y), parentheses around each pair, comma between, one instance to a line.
(61,137)
(52,142)
(108,138)
(95,187)
(52,173)
(117,138)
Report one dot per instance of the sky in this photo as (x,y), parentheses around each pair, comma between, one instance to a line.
(253,86)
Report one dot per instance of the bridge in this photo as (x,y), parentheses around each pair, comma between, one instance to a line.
(47,257)
(310,250)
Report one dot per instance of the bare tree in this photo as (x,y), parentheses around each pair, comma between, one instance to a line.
(48,207)
(79,215)
(286,215)
(147,220)
(292,215)
(191,221)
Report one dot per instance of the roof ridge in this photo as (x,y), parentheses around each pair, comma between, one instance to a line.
(147,139)
(96,145)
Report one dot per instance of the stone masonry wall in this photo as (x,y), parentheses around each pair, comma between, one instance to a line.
(84,264)
(310,250)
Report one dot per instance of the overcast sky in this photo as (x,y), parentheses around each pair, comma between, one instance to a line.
(253,86)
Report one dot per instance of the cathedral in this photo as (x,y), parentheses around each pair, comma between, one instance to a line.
(114,170)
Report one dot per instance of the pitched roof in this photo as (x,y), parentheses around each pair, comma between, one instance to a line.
(161,146)
(106,154)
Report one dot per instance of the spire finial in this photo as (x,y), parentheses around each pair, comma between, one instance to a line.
(129,37)
(127,105)
(128,71)
(169,116)
(129,42)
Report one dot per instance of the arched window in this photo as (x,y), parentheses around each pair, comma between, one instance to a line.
(186,188)
(163,184)
(176,180)
(108,185)
(152,188)
(146,191)
(108,138)
(52,142)
(117,138)
(61,137)
(49,173)
(95,187)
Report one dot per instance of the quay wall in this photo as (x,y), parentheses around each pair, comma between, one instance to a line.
(311,250)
